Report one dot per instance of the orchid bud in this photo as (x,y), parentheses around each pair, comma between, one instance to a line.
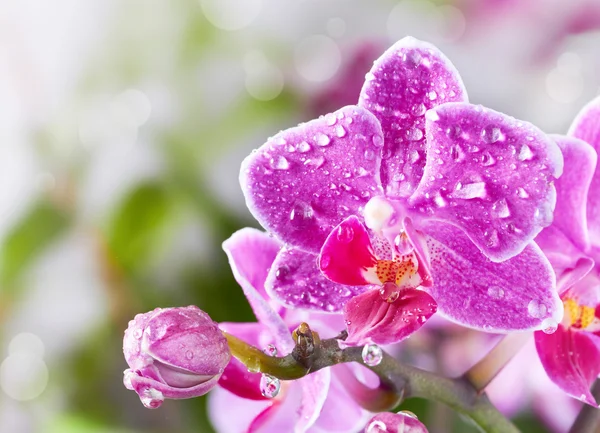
(173,353)
(401,422)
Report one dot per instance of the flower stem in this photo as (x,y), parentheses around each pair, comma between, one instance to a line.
(588,420)
(482,373)
(403,380)
(380,399)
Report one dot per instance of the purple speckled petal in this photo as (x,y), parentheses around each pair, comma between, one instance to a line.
(571,359)
(572,189)
(371,319)
(489,174)
(401,422)
(305,180)
(586,127)
(470,289)
(250,252)
(296,281)
(407,80)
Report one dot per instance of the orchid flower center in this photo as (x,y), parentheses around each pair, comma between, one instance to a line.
(580,316)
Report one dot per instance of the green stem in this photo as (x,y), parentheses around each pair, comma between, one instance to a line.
(405,381)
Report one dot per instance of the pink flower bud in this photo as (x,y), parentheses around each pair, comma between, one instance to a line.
(173,353)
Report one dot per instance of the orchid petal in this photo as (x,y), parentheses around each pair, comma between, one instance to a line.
(315,388)
(347,253)
(572,189)
(306,179)
(141,385)
(571,360)
(569,263)
(236,378)
(295,280)
(407,80)
(489,174)
(249,271)
(470,289)
(586,127)
(245,411)
(371,319)
(395,423)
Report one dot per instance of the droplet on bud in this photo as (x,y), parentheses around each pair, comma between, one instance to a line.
(270,350)
(549,325)
(269,386)
(372,355)
(389,292)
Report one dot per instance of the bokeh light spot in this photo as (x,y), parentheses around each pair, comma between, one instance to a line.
(231,14)
(317,58)
(23,376)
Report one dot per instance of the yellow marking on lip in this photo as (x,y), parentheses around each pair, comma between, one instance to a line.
(578,316)
(395,271)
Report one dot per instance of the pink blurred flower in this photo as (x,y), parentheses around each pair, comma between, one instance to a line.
(401,422)
(571,354)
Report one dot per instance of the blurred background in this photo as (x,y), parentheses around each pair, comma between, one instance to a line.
(122,127)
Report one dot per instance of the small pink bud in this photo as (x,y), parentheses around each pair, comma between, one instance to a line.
(173,353)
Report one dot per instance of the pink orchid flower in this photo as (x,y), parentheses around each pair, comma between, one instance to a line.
(310,404)
(410,202)
(571,355)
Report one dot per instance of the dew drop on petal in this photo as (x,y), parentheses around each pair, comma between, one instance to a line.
(470,191)
(377,140)
(279,163)
(345,234)
(549,325)
(324,261)
(189,355)
(270,350)
(269,386)
(330,119)
(487,159)
(137,334)
(282,272)
(315,162)
(301,214)
(323,140)
(372,355)
(525,153)
(536,309)
(303,147)
(152,398)
(491,134)
(369,154)
(500,209)
(340,131)
(418,109)
(376,427)
(522,193)
(409,414)
(495,292)
(456,153)
(414,134)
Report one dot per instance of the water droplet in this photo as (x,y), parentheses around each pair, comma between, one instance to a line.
(322,139)
(414,134)
(453,132)
(408,414)
(418,109)
(315,162)
(500,209)
(151,398)
(324,261)
(369,76)
(372,355)
(345,234)
(369,154)
(487,159)
(389,292)
(522,193)
(137,334)
(330,119)
(525,153)
(491,237)
(413,156)
(470,190)
(270,350)
(495,292)
(432,95)
(303,147)
(412,58)
(282,272)
(491,134)
(377,140)
(403,244)
(376,427)
(301,214)
(536,309)
(549,325)
(340,131)
(456,153)
(269,386)
(279,163)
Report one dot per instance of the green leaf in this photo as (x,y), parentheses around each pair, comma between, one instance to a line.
(137,227)
(44,223)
